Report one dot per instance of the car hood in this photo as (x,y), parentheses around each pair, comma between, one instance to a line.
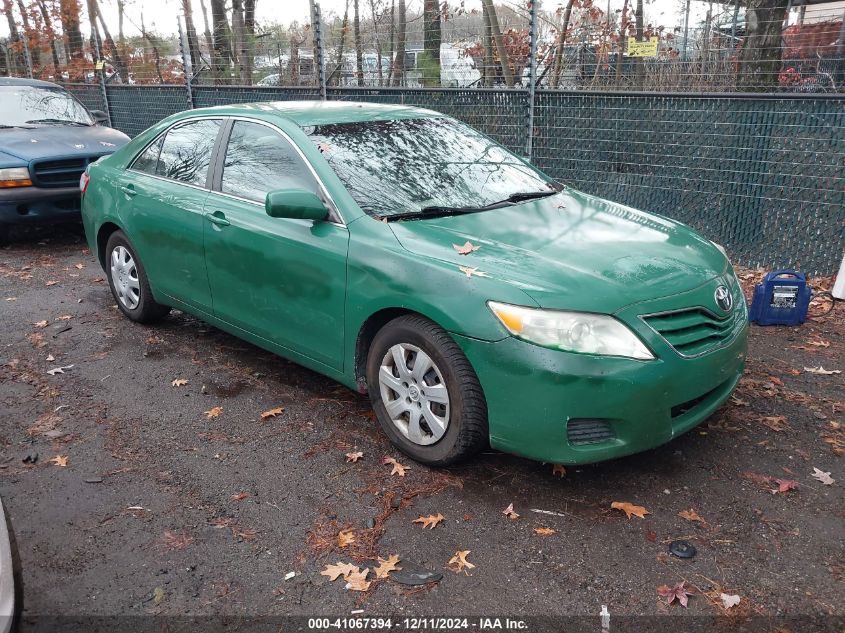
(572,251)
(60,140)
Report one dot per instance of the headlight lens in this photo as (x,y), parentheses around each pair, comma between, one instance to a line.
(15,177)
(571,331)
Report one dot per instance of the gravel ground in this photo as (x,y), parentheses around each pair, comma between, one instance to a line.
(163,510)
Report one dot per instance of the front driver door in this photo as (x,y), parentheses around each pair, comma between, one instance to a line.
(281,279)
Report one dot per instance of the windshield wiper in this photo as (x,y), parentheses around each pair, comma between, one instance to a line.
(530,195)
(438,211)
(58,121)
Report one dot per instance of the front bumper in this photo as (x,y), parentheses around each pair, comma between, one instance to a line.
(543,404)
(26,205)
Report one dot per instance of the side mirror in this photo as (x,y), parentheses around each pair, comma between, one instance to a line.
(298,204)
(99,116)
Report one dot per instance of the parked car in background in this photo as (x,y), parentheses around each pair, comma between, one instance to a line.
(409,256)
(47,139)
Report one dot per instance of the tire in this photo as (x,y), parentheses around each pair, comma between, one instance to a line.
(138,303)
(465,415)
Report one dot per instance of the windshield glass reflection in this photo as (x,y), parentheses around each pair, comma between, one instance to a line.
(34,105)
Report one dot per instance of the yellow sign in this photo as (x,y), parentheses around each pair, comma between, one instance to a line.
(99,65)
(642,49)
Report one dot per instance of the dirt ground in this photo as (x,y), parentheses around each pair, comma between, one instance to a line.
(162,509)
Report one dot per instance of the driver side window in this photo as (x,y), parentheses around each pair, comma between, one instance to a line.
(259,160)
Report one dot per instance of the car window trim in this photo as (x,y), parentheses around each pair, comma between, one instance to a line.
(163,133)
(335,216)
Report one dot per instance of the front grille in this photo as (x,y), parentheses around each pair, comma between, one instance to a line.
(581,431)
(693,331)
(60,173)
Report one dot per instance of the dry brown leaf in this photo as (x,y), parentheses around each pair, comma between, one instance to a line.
(784,486)
(509,512)
(691,515)
(459,561)
(775,422)
(357,580)
(179,382)
(60,460)
(272,413)
(213,412)
(333,572)
(345,538)
(469,272)
(386,566)
(678,592)
(822,371)
(559,470)
(630,509)
(430,521)
(177,540)
(822,476)
(78,266)
(398,469)
(41,324)
(51,283)
(729,600)
(544,531)
(466,249)
(240,496)
(354,457)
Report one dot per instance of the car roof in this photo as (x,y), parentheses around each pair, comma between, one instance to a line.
(307,113)
(17,81)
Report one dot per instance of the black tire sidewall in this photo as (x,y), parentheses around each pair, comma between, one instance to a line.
(447,449)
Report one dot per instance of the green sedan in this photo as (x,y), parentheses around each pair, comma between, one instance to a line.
(404,254)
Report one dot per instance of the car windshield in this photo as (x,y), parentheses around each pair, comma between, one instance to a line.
(37,105)
(408,166)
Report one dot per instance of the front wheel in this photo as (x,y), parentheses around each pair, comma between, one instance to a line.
(128,281)
(425,393)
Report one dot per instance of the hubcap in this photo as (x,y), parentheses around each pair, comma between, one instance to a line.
(414,394)
(124,277)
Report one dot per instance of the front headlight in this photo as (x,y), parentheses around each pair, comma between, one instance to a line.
(571,331)
(15,177)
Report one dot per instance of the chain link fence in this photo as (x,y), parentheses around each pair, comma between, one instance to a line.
(689,115)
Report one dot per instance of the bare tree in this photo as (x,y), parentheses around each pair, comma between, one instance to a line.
(69,13)
(51,35)
(209,42)
(18,60)
(499,41)
(191,35)
(115,53)
(239,46)
(338,69)
(359,51)
(31,37)
(401,33)
(760,57)
(488,71)
(432,37)
(561,44)
(377,38)
(221,51)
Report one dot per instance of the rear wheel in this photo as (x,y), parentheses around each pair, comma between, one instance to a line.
(425,393)
(128,281)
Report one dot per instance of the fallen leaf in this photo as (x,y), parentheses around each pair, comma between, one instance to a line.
(60,460)
(354,457)
(822,371)
(177,540)
(691,515)
(79,266)
(775,422)
(466,249)
(630,509)
(509,512)
(345,538)
(64,317)
(469,272)
(50,358)
(729,600)
(41,324)
(430,521)
(387,565)
(651,536)
(822,476)
(398,469)
(357,580)
(678,592)
(213,412)
(58,370)
(459,561)
(333,572)
(51,283)
(818,343)
(739,401)
(158,595)
(559,470)
(544,531)
(777,381)
(240,496)
(179,382)
(272,413)
(784,485)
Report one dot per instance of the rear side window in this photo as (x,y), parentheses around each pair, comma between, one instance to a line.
(259,160)
(184,153)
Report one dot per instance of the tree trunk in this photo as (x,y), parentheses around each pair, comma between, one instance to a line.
(15,42)
(561,43)
(639,63)
(295,42)
(239,42)
(338,69)
(116,55)
(623,37)
(432,37)
(359,52)
(69,11)
(499,41)
(489,72)
(191,36)
(249,39)
(32,39)
(760,57)
(51,34)
(209,42)
(377,39)
(121,10)
(221,51)
(399,60)
(392,41)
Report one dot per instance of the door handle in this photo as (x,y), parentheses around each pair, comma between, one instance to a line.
(129,190)
(219,220)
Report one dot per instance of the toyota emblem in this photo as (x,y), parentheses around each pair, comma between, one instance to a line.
(723,298)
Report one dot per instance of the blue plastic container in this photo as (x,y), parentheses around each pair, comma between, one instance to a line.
(782,298)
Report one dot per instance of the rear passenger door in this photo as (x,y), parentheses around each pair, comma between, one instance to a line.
(279,278)
(163,193)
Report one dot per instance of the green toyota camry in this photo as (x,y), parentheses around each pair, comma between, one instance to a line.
(404,254)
